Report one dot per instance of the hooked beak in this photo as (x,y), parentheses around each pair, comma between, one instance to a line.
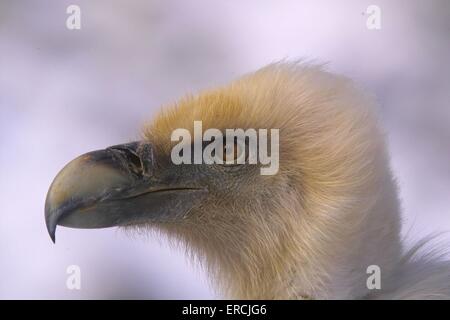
(117,186)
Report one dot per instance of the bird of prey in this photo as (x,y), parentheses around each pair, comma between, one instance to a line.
(310,231)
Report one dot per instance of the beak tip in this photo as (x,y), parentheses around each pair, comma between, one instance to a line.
(52,233)
(51,223)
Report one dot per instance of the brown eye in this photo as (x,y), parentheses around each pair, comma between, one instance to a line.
(229,153)
(234,154)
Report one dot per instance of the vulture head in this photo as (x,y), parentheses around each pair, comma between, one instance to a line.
(310,230)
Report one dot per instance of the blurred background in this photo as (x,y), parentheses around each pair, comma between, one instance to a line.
(64,92)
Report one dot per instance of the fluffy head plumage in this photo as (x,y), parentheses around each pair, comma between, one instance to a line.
(311,230)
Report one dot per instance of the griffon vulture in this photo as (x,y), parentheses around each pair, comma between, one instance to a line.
(310,231)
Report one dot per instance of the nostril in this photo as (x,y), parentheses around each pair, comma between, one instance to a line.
(127,154)
(134,160)
(136,156)
(145,151)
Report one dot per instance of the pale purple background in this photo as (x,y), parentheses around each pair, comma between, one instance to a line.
(64,92)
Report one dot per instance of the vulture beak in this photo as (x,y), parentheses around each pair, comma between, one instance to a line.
(118,186)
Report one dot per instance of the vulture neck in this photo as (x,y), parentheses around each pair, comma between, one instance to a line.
(313,249)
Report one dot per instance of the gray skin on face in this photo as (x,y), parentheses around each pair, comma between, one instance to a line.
(129,185)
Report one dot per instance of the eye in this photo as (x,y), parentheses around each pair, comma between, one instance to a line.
(234,153)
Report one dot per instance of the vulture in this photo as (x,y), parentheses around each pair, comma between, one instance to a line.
(317,228)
